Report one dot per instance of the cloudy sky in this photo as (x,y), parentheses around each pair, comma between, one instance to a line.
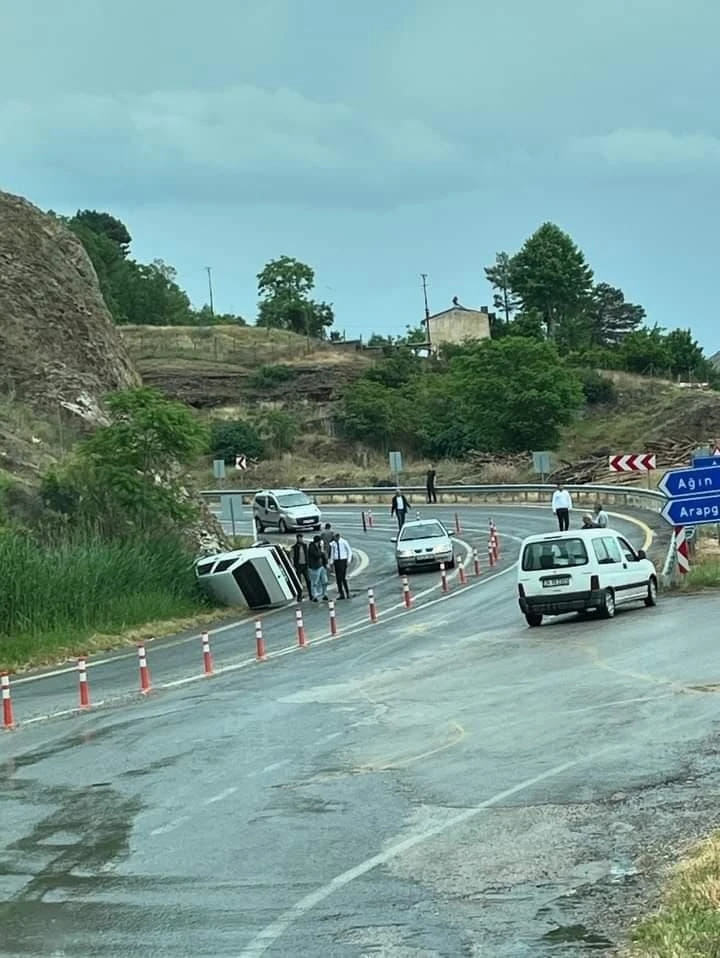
(378,140)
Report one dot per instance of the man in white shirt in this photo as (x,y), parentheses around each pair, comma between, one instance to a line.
(341,556)
(600,517)
(561,506)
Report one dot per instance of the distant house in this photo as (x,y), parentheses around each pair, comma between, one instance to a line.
(458,325)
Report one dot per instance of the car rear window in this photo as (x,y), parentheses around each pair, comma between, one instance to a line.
(538,556)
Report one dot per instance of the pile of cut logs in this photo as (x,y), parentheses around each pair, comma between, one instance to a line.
(669,453)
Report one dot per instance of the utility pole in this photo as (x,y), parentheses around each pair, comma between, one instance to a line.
(427,310)
(210,289)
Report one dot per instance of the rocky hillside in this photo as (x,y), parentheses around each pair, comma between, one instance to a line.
(221,367)
(59,349)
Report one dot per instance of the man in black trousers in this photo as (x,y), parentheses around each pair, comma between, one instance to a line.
(341,556)
(430,484)
(400,508)
(300,563)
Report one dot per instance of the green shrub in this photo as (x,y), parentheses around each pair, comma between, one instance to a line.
(55,597)
(597,389)
(269,376)
(230,438)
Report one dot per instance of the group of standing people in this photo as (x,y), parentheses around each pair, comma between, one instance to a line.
(562,505)
(313,561)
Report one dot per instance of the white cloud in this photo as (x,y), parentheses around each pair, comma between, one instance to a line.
(238,143)
(651,149)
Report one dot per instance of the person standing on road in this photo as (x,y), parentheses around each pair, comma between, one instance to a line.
(317,567)
(300,563)
(561,506)
(400,508)
(327,539)
(341,556)
(600,517)
(430,484)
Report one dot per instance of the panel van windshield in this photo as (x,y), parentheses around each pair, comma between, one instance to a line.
(294,500)
(538,556)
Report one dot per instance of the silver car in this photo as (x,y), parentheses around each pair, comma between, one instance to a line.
(286,509)
(423,544)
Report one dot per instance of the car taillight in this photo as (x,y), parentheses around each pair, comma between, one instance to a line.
(594,583)
(521,591)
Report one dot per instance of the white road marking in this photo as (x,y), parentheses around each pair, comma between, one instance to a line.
(274,766)
(171,826)
(327,738)
(274,931)
(221,796)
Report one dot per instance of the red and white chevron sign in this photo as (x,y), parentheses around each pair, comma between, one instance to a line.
(683,552)
(639,462)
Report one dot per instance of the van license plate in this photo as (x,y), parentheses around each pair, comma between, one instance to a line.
(557,580)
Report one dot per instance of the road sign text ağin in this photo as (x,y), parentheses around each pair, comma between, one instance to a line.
(689,482)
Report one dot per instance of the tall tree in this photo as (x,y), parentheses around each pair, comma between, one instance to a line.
(611,317)
(285,286)
(550,276)
(512,394)
(498,275)
(104,224)
(151,296)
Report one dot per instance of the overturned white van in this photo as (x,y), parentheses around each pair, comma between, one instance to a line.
(259,577)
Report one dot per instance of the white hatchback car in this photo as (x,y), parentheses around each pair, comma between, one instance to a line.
(581,571)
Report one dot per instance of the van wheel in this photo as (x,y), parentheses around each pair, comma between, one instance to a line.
(607,607)
(282,527)
(651,597)
(260,527)
(533,619)
(401,571)
(450,564)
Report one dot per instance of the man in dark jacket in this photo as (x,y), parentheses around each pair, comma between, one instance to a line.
(300,562)
(400,508)
(430,484)
(317,565)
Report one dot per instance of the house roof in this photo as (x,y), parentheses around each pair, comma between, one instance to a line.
(458,309)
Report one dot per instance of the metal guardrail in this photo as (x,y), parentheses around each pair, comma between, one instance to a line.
(630,496)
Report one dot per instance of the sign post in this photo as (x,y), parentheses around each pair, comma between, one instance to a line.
(693,500)
(219,470)
(541,464)
(396,465)
(636,462)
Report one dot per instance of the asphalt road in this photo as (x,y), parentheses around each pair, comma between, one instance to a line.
(444,782)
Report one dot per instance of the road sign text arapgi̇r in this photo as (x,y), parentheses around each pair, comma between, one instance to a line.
(690,482)
(692,510)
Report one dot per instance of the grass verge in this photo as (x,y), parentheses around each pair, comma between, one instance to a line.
(81,597)
(704,566)
(687,925)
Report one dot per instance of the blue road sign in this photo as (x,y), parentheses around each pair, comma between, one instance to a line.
(690,482)
(703,462)
(692,510)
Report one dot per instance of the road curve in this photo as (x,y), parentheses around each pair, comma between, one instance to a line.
(442,782)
